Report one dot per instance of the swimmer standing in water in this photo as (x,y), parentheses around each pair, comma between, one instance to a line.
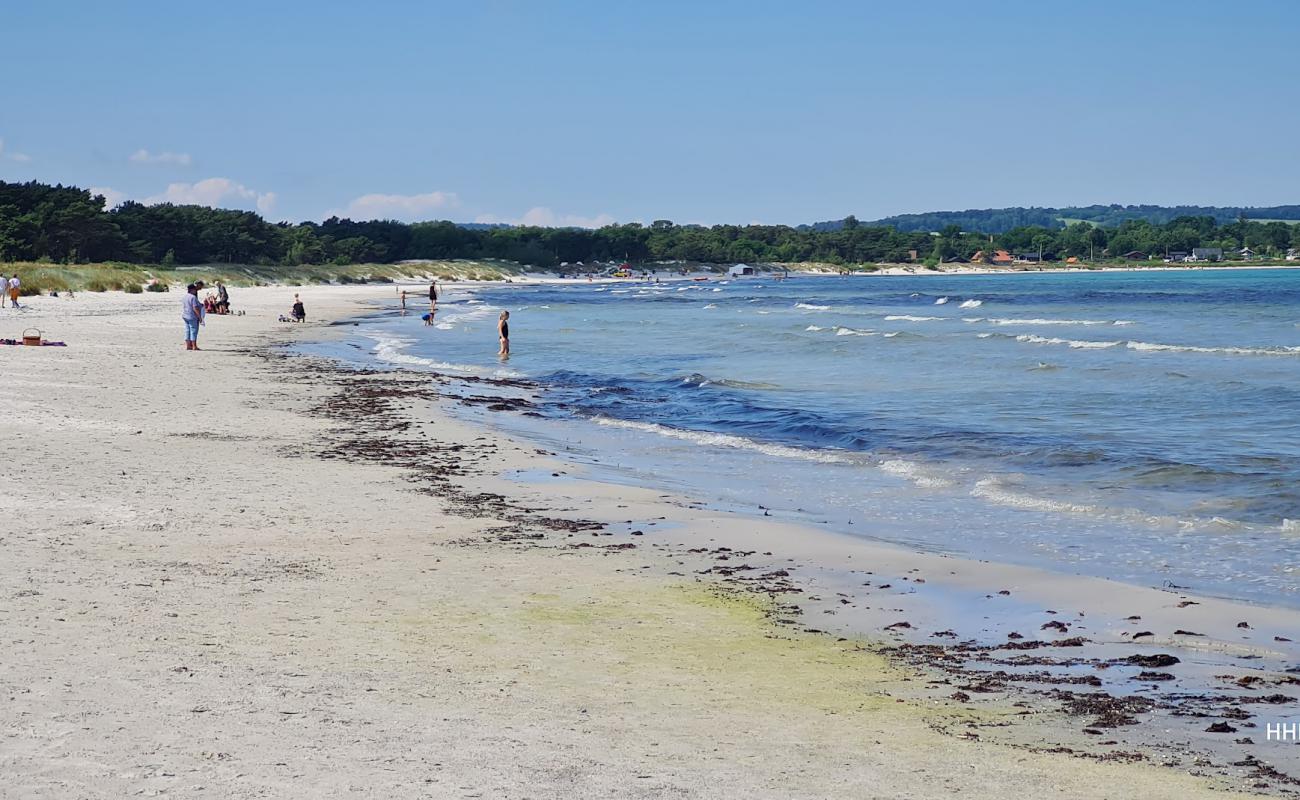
(503,330)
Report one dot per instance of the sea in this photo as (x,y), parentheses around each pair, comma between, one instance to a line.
(1140,426)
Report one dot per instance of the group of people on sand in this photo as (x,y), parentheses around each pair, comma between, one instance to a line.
(194,311)
(217,301)
(10,289)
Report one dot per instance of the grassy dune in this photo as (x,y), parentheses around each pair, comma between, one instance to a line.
(40,278)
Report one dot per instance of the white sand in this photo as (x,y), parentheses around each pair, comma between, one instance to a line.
(193,604)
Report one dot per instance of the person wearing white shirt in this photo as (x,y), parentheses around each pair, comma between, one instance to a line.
(14,283)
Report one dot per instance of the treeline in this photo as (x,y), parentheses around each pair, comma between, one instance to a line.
(1001,220)
(70,225)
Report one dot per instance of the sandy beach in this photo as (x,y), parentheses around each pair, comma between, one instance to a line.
(243,573)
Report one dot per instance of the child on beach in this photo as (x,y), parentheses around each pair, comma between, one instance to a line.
(503,330)
(428,319)
(299,312)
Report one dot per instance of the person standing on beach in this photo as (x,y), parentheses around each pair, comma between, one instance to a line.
(223,298)
(14,283)
(192,313)
(503,330)
(433,295)
(4,290)
(403,301)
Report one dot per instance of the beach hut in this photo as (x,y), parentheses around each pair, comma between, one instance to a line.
(740,270)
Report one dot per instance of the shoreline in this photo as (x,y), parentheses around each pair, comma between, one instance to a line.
(316,576)
(932,596)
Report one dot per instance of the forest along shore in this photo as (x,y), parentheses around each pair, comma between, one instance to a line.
(257,573)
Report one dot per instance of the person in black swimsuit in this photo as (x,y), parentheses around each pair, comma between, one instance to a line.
(503,330)
(433,295)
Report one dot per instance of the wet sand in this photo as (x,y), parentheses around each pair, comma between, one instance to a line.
(238,573)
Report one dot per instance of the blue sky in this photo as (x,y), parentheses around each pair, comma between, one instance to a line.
(586,112)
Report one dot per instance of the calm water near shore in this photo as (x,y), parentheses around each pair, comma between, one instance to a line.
(1140,426)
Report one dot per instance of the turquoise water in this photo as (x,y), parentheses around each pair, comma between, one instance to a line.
(1143,426)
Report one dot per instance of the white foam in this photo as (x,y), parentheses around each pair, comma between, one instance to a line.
(910,318)
(993,490)
(727,440)
(711,305)
(811,307)
(1232,351)
(814,328)
(971,304)
(389,349)
(1045,321)
(841,330)
(916,473)
(941,301)
(1078,344)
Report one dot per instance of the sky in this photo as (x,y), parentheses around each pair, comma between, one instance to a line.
(584,113)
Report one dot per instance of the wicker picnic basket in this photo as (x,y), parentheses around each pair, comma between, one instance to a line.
(32,336)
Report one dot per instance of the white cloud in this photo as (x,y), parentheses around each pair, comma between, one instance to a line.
(21,158)
(112,197)
(143,156)
(546,218)
(214,192)
(408,207)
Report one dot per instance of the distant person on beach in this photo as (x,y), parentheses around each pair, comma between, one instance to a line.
(192,314)
(403,301)
(4,290)
(299,311)
(428,319)
(14,284)
(433,295)
(503,330)
(223,299)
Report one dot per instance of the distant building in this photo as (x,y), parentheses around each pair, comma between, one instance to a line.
(740,270)
(1027,258)
(1177,255)
(1246,253)
(1135,255)
(1207,254)
(1292,255)
(1002,257)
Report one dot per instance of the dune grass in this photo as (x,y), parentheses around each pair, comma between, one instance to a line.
(42,278)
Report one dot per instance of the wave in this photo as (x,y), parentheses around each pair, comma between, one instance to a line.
(941,301)
(995,491)
(911,318)
(1156,347)
(1235,351)
(696,379)
(918,474)
(389,349)
(727,440)
(840,330)
(971,304)
(1043,321)
(814,328)
(811,307)
(711,305)
(1075,343)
